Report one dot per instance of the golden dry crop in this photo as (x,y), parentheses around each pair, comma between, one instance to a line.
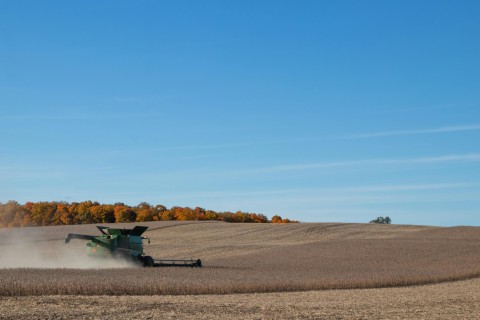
(446,301)
(251,258)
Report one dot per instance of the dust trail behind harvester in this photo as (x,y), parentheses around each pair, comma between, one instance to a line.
(28,248)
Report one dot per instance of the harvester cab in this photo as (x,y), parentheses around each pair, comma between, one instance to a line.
(126,244)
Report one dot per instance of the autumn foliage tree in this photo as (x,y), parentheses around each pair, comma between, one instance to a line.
(124,213)
(13,214)
(278,219)
(145,212)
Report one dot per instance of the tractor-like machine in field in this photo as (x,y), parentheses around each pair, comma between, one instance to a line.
(126,244)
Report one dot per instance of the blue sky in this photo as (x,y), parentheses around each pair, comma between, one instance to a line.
(315,110)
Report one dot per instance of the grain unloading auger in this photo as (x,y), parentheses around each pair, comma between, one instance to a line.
(126,244)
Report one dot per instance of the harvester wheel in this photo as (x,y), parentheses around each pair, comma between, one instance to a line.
(147,261)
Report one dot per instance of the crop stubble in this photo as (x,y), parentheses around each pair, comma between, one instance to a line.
(254,258)
(451,300)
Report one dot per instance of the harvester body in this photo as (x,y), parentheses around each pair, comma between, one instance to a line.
(126,244)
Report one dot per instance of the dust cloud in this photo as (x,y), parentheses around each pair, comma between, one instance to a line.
(21,248)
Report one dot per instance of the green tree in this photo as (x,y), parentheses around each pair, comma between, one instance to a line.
(382,220)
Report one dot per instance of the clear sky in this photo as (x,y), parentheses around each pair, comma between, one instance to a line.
(314,110)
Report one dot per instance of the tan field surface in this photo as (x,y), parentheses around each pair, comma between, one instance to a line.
(251,271)
(453,300)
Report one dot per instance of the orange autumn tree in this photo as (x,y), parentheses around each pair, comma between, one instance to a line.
(43,213)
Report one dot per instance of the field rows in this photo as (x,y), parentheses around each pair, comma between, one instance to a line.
(453,300)
(269,259)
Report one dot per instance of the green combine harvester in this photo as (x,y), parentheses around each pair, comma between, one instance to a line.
(126,244)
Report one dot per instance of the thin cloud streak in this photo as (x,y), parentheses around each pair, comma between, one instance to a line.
(473,127)
(246,144)
(453,158)
(210,174)
(86,116)
(331,190)
(447,129)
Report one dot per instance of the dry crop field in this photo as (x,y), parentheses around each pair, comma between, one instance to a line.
(251,271)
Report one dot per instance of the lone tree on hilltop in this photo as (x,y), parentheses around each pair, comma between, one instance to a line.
(382,220)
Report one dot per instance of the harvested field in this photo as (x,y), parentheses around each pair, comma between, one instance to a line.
(254,258)
(451,300)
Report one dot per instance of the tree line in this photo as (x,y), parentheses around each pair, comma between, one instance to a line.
(43,213)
